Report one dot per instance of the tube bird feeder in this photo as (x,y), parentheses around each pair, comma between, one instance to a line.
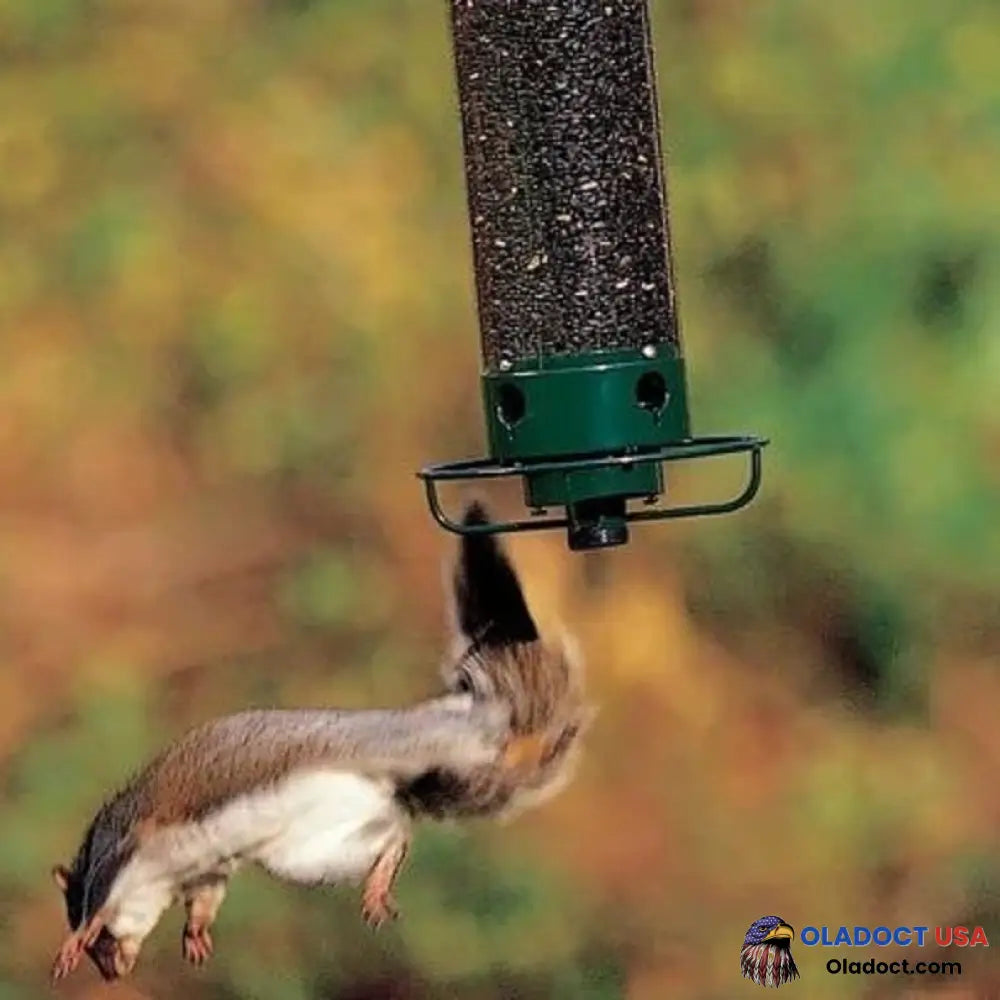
(583,381)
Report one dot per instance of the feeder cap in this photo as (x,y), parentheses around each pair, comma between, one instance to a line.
(597,535)
(597,524)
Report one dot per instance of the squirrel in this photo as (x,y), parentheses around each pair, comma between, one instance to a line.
(320,796)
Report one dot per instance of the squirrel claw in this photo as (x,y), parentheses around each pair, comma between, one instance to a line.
(377,909)
(377,904)
(67,959)
(196,944)
(69,955)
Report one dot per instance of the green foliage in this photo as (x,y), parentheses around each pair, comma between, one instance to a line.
(111,726)
(323,591)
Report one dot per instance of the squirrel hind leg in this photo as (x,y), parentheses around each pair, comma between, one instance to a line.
(202,904)
(377,904)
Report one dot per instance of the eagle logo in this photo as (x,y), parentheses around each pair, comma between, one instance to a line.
(766,957)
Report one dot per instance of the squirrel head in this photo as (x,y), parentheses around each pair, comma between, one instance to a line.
(501,656)
(104,951)
(72,891)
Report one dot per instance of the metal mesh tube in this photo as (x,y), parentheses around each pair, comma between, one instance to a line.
(564,176)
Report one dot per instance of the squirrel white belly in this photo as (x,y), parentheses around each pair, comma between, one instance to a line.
(324,796)
(321,826)
(330,826)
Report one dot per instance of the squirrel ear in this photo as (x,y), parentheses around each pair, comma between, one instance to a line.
(490,609)
(60,875)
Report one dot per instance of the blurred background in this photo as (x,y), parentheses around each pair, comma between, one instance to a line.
(236,314)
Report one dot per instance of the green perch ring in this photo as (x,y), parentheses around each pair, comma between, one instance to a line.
(597,522)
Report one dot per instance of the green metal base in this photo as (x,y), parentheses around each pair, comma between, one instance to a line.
(603,402)
(596,519)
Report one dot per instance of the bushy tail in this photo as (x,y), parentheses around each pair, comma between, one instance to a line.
(489,606)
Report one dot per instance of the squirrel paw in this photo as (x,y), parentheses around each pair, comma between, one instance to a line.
(378,908)
(68,958)
(74,946)
(196,944)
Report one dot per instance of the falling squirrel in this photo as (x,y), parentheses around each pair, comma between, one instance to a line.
(325,796)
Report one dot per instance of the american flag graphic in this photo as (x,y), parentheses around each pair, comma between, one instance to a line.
(766,956)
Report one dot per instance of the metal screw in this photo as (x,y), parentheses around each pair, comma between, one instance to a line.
(649,351)
(506,364)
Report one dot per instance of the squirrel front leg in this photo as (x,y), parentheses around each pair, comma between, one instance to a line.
(377,904)
(202,903)
(73,948)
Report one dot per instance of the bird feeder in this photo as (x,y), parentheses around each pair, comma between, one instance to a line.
(583,378)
